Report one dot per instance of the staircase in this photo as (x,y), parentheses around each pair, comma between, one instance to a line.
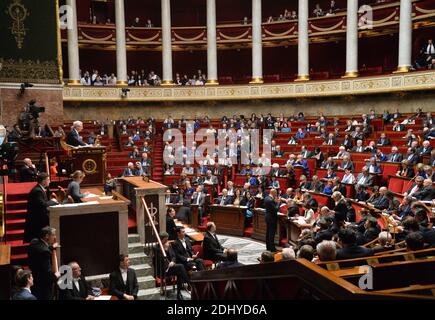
(15,214)
(142,264)
(157,160)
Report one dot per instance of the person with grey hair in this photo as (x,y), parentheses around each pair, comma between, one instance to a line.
(80,289)
(288,254)
(385,242)
(28,171)
(73,138)
(326,250)
(306,252)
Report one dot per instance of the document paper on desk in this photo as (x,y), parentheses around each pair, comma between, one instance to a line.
(103,297)
(72,205)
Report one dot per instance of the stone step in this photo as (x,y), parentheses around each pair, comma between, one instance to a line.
(149,294)
(135,248)
(132,238)
(143,270)
(146,282)
(139,258)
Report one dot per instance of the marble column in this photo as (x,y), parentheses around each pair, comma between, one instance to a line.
(212,76)
(166,43)
(73,46)
(257,46)
(352,39)
(405,36)
(303,42)
(121,48)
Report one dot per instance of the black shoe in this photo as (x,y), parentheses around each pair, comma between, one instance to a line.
(179,296)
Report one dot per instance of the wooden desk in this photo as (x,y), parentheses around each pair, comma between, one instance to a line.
(229,220)
(94,234)
(92,161)
(5,281)
(133,188)
(260,227)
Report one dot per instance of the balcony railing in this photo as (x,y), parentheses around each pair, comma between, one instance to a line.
(384,16)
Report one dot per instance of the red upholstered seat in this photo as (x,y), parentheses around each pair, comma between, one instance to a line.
(208,264)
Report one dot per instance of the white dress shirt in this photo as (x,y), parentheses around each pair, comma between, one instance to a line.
(123,274)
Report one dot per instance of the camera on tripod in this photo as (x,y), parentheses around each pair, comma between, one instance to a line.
(34,109)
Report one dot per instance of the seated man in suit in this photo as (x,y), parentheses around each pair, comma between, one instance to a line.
(184,253)
(394,156)
(213,250)
(382,203)
(371,232)
(129,171)
(349,248)
(224,199)
(383,140)
(364,178)
(24,282)
(359,146)
(123,281)
(416,187)
(346,164)
(425,149)
(80,289)
(231,261)
(28,171)
(427,193)
(73,138)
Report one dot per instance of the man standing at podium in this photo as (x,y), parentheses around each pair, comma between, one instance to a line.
(73,138)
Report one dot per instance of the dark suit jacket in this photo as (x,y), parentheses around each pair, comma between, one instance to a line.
(420,189)
(202,198)
(398,158)
(182,254)
(74,294)
(353,252)
(27,175)
(422,152)
(213,250)
(37,213)
(340,211)
(40,262)
(323,235)
(73,139)
(117,287)
(23,294)
(228,200)
(272,209)
(382,203)
(171,228)
(384,142)
(183,214)
(426,194)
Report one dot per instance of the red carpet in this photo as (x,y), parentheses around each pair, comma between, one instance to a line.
(15,213)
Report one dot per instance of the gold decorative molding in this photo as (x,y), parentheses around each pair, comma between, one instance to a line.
(403,69)
(351,74)
(29,71)
(212,82)
(18,13)
(257,80)
(400,82)
(303,77)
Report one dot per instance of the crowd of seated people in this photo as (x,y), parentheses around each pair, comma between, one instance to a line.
(198,79)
